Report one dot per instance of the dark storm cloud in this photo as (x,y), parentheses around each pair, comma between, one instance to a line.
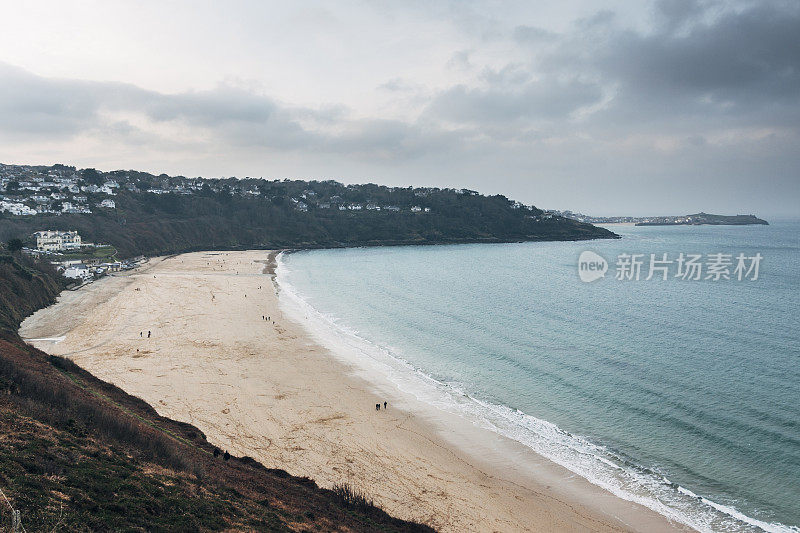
(745,58)
(701,65)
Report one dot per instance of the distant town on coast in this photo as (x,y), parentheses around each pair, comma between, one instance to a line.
(697,219)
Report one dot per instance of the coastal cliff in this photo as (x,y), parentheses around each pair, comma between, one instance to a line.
(26,285)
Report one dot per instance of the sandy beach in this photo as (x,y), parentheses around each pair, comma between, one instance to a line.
(189,334)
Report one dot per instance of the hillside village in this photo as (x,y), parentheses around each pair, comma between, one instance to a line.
(45,193)
(30,190)
(138,213)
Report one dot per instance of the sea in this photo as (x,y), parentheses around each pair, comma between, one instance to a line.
(680,392)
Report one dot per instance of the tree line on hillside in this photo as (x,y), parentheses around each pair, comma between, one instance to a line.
(162,214)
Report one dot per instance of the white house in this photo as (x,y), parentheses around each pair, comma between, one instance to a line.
(77,272)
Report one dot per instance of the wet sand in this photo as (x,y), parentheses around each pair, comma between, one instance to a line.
(267,389)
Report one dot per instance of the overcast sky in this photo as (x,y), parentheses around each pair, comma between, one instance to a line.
(600,106)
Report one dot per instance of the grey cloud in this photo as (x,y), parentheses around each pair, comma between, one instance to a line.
(460,60)
(326,115)
(211,108)
(398,85)
(741,58)
(29,107)
(58,108)
(672,15)
(532,34)
(513,75)
(61,109)
(703,62)
(602,19)
(703,66)
(392,139)
(233,115)
(547,99)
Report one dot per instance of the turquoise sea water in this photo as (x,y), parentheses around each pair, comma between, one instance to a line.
(682,395)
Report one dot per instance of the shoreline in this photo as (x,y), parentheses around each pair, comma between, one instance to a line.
(273,392)
(650,487)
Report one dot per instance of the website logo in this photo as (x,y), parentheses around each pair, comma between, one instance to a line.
(591,266)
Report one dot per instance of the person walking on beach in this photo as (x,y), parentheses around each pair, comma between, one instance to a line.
(148,333)
(384,405)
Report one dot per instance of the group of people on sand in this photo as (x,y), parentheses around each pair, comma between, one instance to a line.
(141,333)
(378,406)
